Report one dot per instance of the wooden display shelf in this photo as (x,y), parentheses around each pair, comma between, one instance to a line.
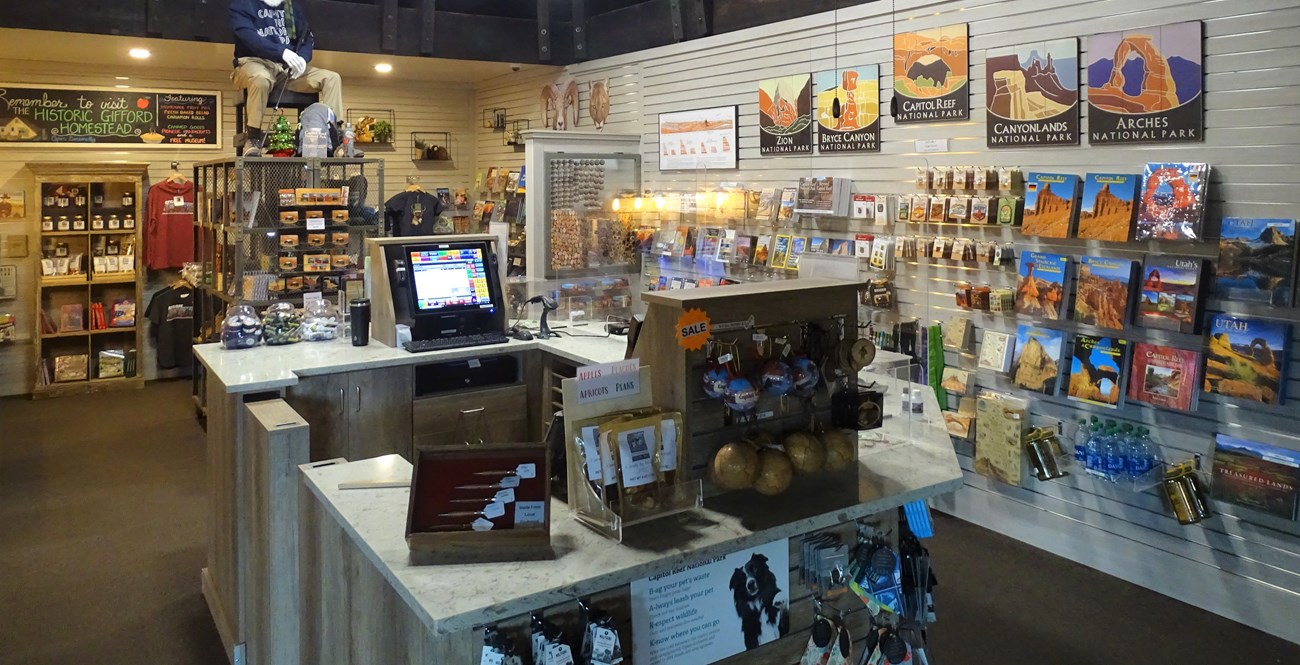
(110,278)
(71,280)
(62,234)
(68,388)
(61,335)
(105,232)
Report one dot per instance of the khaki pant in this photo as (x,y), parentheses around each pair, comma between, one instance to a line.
(256,76)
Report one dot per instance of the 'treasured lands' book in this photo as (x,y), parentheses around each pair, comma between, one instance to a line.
(1050,204)
(1170,297)
(1171,205)
(1040,291)
(1256,260)
(1037,363)
(1102,295)
(1165,376)
(1097,369)
(1109,205)
(1256,476)
(1246,358)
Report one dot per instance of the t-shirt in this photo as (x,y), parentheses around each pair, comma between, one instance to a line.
(169,227)
(412,214)
(172,313)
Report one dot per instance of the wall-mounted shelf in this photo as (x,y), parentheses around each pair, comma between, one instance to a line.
(381,130)
(431,147)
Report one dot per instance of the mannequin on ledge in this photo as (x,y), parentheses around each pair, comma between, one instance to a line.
(271,37)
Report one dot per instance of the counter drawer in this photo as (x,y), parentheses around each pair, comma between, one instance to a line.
(505,410)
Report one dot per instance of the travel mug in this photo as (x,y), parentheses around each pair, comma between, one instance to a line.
(360,309)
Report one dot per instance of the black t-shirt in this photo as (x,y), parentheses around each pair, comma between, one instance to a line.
(412,214)
(172,313)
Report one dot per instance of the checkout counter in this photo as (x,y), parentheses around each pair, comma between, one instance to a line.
(300,571)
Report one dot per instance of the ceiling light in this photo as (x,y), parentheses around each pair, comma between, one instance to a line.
(139,53)
(122,78)
(383,68)
(121,86)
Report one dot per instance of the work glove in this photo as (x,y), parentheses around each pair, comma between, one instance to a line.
(295,63)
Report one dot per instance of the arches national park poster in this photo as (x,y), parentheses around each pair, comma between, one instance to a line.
(931,75)
(1032,94)
(1145,85)
(785,115)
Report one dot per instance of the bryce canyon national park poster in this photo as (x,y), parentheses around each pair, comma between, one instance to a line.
(856,127)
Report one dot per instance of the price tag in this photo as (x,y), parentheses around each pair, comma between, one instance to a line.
(316,224)
(558,654)
(474,363)
(526,471)
(764,415)
(494,510)
(760,337)
(932,145)
(724,358)
(505,496)
(492,657)
(604,642)
(530,512)
(481,524)
(510,482)
(309,298)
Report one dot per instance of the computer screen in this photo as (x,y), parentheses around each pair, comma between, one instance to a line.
(448,276)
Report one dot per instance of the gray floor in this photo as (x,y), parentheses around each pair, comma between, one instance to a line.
(101,541)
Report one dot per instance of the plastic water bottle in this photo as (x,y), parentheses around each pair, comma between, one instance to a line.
(1114,453)
(1143,455)
(1124,437)
(1081,444)
(1096,458)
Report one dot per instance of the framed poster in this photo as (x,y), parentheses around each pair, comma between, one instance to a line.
(8,282)
(855,125)
(785,115)
(1146,86)
(1032,94)
(89,117)
(13,205)
(931,74)
(699,139)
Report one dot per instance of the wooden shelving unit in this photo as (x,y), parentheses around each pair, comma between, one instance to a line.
(69,191)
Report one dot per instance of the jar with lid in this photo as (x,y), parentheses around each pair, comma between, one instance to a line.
(97,223)
(64,224)
(281,324)
(80,199)
(47,223)
(320,321)
(78,223)
(114,247)
(61,249)
(114,223)
(128,199)
(129,221)
(241,329)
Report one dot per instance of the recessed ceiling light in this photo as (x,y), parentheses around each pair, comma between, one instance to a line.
(139,53)
(383,68)
(121,86)
(122,78)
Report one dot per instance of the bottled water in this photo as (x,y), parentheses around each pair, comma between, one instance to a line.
(1081,444)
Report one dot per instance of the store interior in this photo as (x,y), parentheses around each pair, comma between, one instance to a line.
(975,322)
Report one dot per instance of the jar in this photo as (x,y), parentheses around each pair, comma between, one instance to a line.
(320,321)
(128,222)
(61,249)
(128,199)
(241,328)
(78,223)
(97,223)
(47,223)
(114,247)
(281,324)
(114,223)
(64,224)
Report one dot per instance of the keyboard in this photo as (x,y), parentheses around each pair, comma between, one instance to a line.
(458,342)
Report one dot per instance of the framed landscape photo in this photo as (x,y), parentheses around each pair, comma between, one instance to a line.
(699,139)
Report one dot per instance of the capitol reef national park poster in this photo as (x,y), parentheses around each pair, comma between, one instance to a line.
(932,74)
(1146,85)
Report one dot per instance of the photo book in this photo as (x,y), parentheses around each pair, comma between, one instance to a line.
(1041,287)
(1097,370)
(1171,205)
(1102,293)
(1171,297)
(1256,260)
(1165,376)
(1246,358)
(1037,363)
(1050,204)
(1108,207)
(1256,476)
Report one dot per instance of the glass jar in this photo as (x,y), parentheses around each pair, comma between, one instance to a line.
(97,223)
(78,223)
(114,223)
(129,221)
(64,224)
(128,199)
(281,324)
(47,223)
(241,329)
(61,249)
(320,321)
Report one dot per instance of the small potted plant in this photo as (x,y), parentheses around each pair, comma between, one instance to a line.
(383,131)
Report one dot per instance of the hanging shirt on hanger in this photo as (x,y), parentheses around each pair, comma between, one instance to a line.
(412,213)
(171,311)
(169,228)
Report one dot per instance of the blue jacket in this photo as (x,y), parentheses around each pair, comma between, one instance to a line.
(262,32)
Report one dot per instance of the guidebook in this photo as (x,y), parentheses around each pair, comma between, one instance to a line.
(767,205)
(1097,369)
(1037,363)
(1246,358)
(1171,205)
(1256,260)
(1050,204)
(1170,295)
(1165,376)
(1109,204)
(1040,290)
(1102,292)
(1256,476)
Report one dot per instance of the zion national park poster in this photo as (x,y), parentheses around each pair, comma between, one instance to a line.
(785,115)
(1032,93)
(848,109)
(931,73)
(1246,358)
(1145,85)
(1109,201)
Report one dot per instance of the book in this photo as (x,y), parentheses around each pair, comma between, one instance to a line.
(1164,376)
(490,182)
(1000,423)
(444,196)
(862,245)
(1097,370)
(1256,260)
(780,251)
(1050,204)
(798,245)
(1041,287)
(818,245)
(744,249)
(512,182)
(996,351)
(840,247)
(71,318)
(1246,358)
(477,214)
(1109,206)
(1256,476)
(788,197)
(1102,292)
(1036,364)
(766,205)
(958,333)
(727,246)
(753,199)
(1171,205)
(823,196)
(763,249)
(955,380)
(1171,294)
(707,242)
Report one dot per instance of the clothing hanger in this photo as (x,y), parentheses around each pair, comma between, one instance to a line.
(413,184)
(176,176)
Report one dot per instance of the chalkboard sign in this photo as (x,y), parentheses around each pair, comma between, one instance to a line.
(109,117)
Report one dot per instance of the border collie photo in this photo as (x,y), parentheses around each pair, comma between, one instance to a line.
(760,602)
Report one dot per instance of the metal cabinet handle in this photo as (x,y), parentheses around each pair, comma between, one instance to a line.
(342,401)
(356,408)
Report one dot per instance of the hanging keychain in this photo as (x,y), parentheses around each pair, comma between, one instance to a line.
(806,373)
(716,374)
(824,637)
(739,395)
(775,377)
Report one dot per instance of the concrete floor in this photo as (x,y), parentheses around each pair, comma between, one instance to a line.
(101,539)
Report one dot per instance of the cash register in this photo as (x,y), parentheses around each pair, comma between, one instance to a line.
(448,293)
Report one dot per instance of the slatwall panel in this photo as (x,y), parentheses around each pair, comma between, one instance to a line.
(419,106)
(1241,564)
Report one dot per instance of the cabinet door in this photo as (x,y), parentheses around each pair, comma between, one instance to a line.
(379,410)
(323,402)
(505,410)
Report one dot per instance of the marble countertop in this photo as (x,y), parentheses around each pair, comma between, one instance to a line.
(273,367)
(908,459)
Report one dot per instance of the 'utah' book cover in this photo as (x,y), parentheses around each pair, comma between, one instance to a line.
(1165,376)
(1256,475)
(1037,363)
(1171,294)
(1109,204)
(1256,260)
(1096,370)
(1040,291)
(1172,203)
(1101,296)
(1049,204)
(1247,358)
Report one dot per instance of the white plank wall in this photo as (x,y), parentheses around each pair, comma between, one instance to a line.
(1241,564)
(419,106)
